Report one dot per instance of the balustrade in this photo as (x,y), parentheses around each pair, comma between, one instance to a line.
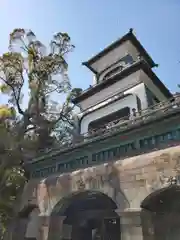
(147,115)
(151,113)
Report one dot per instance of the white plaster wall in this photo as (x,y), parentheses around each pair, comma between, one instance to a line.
(148,82)
(116,88)
(140,92)
(94,81)
(129,101)
(139,76)
(115,55)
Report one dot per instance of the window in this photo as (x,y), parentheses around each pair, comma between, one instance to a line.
(159,139)
(128,59)
(155,100)
(113,72)
(94,157)
(177,134)
(121,64)
(169,136)
(147,142)
(102,122)
(116,152)
(100,157)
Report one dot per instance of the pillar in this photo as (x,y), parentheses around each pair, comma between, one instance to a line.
(130,224)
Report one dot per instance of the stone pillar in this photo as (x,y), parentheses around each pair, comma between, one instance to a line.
(34,225)
(130,222)
(44,227)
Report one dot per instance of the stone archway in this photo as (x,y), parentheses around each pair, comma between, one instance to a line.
(85,215)
(161,214)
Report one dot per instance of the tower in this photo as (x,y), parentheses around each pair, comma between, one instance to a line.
(123,83)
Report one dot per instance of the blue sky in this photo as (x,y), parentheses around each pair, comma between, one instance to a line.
(95,24)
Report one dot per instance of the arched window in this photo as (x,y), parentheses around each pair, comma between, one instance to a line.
(116,68)
(113,117)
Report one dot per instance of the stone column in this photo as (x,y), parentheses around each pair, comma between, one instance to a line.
(44,230)
(130,222)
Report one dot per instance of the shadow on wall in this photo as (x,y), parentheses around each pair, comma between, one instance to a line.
(118,195)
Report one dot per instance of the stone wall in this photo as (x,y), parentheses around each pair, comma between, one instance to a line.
(128,182)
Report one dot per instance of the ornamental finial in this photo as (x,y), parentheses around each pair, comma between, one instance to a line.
(131,30)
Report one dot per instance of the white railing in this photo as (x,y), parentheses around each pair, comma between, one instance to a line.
(153,112)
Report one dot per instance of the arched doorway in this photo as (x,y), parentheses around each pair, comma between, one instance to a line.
(88,214)
(161,214)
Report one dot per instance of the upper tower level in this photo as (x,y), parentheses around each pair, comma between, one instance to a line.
(123,82)
(122,52)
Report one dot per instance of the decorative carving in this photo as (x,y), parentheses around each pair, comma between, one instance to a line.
(176,161)
(159,182)
(165,174)
(172,180)
(153,174)
(80,184)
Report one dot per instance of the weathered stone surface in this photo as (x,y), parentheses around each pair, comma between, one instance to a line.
(128,182)
(147,173)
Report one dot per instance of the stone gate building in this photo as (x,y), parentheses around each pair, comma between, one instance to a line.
(120,180)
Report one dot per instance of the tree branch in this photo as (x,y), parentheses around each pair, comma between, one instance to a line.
(62,115)
(17,98)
